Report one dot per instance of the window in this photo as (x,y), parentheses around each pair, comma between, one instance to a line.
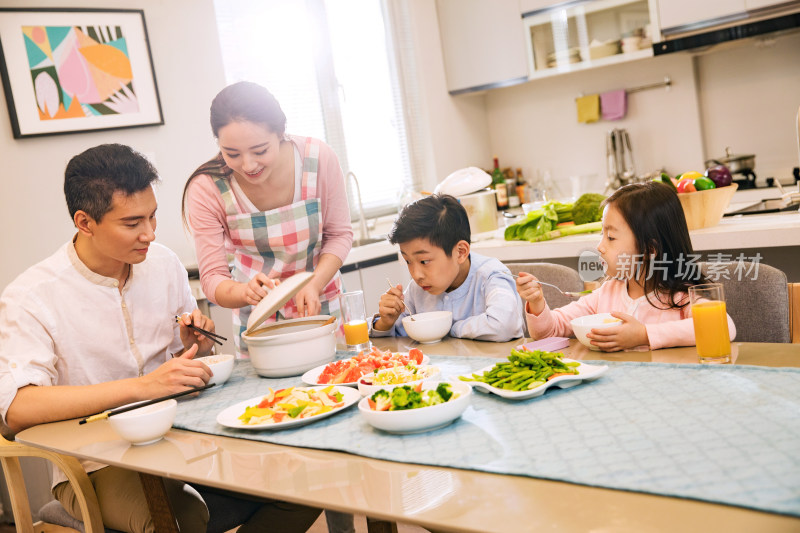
(332,66)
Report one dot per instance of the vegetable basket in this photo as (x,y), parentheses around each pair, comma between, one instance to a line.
(704,209)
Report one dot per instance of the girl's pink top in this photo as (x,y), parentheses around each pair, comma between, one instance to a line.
(205,211)
(665,327)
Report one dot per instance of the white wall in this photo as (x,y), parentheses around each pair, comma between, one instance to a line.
(188,67)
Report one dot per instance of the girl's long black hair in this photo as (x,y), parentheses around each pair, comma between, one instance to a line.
(654,214)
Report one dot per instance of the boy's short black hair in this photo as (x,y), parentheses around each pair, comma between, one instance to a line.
(440,218)
(92,177)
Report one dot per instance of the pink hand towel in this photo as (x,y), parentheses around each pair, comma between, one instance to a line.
(614,104)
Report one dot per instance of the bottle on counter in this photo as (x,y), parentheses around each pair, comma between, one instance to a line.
(520,185)
(499,185)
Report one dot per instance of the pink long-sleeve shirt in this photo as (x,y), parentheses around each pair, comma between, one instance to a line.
(665,327)
(205,212)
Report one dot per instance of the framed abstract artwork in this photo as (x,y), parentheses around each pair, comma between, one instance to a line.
(76,70)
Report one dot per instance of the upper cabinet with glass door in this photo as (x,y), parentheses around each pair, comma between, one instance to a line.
(575,36)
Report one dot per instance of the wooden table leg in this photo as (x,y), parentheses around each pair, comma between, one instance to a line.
(380,526)
(157,501)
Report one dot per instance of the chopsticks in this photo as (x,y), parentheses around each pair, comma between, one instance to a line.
(213,336)
(112,412)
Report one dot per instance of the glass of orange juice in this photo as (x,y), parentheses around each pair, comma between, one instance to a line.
(710,323)
(356,330)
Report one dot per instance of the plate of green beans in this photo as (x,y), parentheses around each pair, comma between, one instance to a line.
(528,374)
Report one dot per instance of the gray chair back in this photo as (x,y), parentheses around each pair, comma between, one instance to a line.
(562,276)
(757,299)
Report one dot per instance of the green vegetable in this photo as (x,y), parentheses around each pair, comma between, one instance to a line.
(294,411)
(587,208)
(405,397)
(539,222)
(569,230)
(525,370)
(665,180)
(704,184)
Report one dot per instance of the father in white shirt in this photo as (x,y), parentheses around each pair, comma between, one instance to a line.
(92,327)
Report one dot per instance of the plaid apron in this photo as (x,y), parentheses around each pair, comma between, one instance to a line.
(280,243)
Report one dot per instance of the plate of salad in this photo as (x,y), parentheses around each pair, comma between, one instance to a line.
(348,371)
(529,373)
(289,407)
(426,406)
(389,378)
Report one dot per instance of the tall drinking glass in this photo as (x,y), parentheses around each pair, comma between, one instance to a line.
(356,331)
(710,323)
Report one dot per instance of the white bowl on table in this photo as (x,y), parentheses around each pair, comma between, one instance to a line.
(427,328)
(146,424)
(291,347)
(584,324)
(221,366)
(422,418)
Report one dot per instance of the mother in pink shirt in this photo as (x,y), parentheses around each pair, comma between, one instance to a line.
(647,252)
(276,202)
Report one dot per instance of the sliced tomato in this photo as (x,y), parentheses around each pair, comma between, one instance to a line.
(278,417)
(416,355)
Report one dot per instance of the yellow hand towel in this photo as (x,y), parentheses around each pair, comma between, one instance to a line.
(588,108)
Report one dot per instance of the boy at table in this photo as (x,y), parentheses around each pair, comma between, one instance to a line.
(434,238)
(92,327)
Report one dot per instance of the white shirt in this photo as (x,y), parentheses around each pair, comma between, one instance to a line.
(62,324)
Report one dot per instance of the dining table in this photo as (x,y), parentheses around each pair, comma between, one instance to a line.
(366,472)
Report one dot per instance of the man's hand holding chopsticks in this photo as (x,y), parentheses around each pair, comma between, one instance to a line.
(191,337)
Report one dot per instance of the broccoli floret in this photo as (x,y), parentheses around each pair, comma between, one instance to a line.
(400,398)
(415,400)
(587,208)
(443,390)
(380,393)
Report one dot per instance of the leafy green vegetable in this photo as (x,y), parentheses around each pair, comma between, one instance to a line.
(405,397)
(539,222)
(587,208)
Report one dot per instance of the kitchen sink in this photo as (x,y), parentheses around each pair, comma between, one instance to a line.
(370,240)
(770,205)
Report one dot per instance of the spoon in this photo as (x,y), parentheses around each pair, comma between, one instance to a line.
(565,293)
(391,286)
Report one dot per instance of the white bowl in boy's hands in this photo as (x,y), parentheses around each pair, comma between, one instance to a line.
(428,327)
(584,324)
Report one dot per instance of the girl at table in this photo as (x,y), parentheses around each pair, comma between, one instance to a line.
(646,251)
(277,202)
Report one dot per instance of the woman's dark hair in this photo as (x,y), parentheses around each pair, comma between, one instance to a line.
(440,218)
(655,216)
(244,101)
(93,176)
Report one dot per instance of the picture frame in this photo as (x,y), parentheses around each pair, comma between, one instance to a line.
(77,70)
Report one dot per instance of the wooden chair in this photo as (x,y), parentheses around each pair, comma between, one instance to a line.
(10,452)
(794,311)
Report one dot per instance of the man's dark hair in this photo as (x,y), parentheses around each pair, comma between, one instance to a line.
(440,218)
(92,177)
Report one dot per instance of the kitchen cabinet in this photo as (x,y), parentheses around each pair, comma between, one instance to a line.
(584,35)
(526,6)
(677,13)
(482,44)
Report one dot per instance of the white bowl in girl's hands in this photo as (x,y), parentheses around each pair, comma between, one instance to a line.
(428,327)
(584,324)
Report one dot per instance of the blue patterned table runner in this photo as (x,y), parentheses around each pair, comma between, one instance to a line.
(725,434)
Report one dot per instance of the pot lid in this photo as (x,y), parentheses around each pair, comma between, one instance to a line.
(277,298)
(463,182)
(734,157)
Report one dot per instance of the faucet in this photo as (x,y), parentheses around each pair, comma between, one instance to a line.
(363,230)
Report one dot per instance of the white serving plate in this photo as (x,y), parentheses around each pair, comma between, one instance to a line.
(229,417)
(422,419)
(585,373)
(312,376)
(368,389)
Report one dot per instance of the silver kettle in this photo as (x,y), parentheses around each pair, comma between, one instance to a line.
(619,156)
